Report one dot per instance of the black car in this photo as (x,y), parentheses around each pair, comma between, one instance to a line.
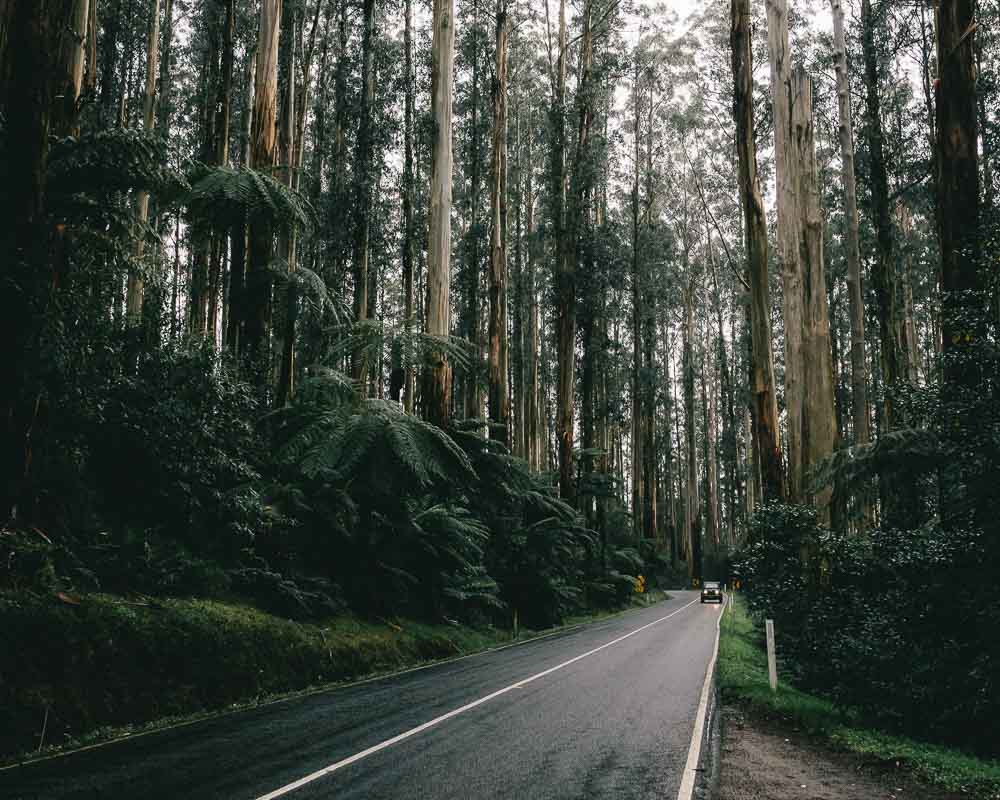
(711,590)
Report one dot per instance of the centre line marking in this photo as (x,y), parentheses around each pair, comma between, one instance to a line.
(291,787)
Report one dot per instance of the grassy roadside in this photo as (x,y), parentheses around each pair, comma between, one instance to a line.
(109,668)
(743,680)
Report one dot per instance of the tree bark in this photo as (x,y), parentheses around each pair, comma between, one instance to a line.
(437,392)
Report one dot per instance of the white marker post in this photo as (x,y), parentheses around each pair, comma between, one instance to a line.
(772,666)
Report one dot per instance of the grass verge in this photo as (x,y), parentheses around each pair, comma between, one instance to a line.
(75,675)
(743,680)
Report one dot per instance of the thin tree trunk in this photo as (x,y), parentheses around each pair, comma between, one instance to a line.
(859,371)
(692,516)
(136,284)
(533,399)
(896,508)
(284,329)
(564,278)
(470,322)
(637,484)
(498,361)
(409,232)
(363,192)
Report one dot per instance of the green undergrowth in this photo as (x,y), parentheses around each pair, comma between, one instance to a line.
(108,667)
(743,680)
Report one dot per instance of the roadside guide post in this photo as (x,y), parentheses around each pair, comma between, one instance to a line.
(772,667)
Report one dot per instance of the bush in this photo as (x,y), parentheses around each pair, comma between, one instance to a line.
(902,625)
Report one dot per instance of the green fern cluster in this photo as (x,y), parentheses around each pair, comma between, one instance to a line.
(427,521)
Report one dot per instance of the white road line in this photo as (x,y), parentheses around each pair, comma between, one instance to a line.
(686,792)
(291,787)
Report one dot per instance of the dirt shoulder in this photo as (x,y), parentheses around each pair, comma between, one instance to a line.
(766,759)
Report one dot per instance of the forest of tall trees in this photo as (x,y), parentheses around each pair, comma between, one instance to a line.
(477,306)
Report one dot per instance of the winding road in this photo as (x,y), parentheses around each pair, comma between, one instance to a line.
(605,710)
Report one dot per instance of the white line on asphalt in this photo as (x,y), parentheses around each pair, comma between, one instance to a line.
(291,787)
(686,791)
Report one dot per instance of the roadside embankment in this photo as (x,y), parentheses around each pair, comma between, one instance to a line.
(79,670)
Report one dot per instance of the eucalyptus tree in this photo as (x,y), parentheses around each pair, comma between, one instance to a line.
(437,373)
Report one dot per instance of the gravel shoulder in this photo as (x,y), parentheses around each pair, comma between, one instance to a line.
(764,759)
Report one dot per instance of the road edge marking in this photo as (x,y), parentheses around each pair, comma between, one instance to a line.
(686,791)
(313,776)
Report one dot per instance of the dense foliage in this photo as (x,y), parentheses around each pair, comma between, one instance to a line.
(902,623)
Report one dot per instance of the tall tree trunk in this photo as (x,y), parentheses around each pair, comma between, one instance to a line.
(220,132)
(819,420)
(896,508)
(565,285)
(470,322)
(963,301)
(363,192)
(498,363)
(35,78)
(532,378)
(637,460)
(708,446)
(288,133)
(855,296)
(163,106)
(262,157)
(235,327)
(789,235)
(437,375)
(764,404)
(692,514)
(136,284)
(72,57)
(338,180)
(409,231)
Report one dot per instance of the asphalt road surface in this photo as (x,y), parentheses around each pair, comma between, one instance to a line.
(606,710)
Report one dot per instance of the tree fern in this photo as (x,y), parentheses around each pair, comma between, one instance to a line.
(109,161)
(222,197)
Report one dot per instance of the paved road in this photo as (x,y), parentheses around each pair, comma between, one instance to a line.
(615,722)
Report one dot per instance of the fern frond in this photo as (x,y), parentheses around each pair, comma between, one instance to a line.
(222,197)
(912,450)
